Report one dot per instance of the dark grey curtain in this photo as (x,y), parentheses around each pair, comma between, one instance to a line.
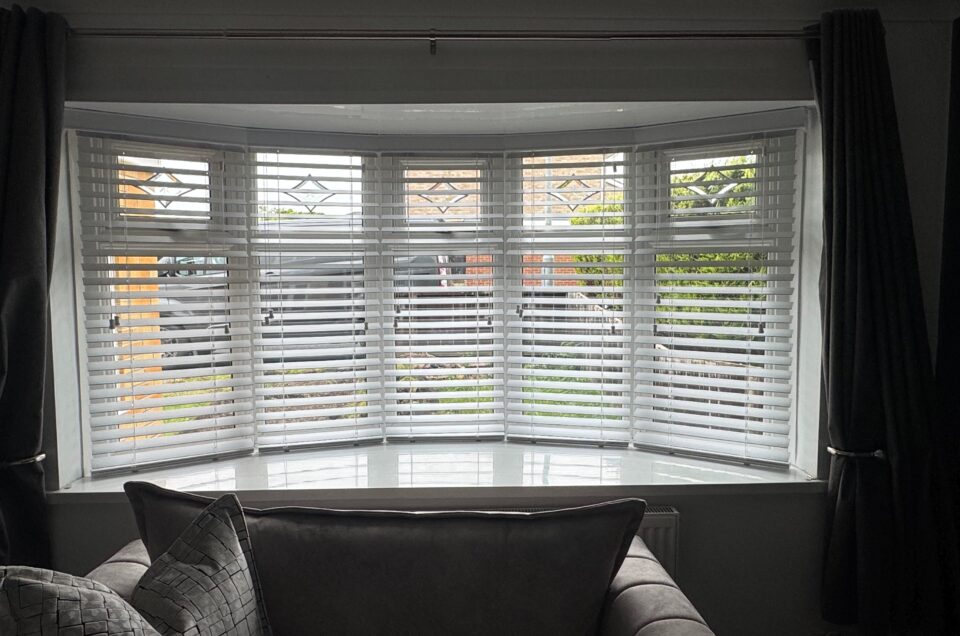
(948,335)
(888,555)
(948,330)
(32,57)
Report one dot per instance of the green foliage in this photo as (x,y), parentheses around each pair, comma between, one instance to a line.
(715,190)
(465,394)
(720,183)
(600,215)
(267,212)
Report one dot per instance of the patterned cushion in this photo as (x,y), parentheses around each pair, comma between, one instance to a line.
(206,583)
(42,602)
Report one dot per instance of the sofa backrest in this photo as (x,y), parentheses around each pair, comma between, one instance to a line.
(389,572)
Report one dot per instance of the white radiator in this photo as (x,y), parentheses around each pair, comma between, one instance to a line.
(660,530)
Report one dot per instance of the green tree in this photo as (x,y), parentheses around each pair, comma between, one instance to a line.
(726,188)
(606,214)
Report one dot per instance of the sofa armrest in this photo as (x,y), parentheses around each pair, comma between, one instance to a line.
(123,570)
(644,601)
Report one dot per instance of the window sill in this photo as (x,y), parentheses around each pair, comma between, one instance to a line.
(450,471)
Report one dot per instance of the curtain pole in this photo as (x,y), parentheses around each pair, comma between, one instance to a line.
(436,35)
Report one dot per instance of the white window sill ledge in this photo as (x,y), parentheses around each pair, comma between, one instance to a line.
(450,471)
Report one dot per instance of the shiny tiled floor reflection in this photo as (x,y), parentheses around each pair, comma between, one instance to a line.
(423,465)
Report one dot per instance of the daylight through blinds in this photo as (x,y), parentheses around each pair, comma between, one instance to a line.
(243,298)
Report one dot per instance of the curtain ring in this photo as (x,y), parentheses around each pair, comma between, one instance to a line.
(36,459)
(877,454)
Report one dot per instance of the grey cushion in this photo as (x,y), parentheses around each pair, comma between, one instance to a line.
(123,570)
(35,601)
(451,573)
(204,585)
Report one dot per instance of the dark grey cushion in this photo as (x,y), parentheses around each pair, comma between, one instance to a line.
(203,585)
(451,573)
(35,601)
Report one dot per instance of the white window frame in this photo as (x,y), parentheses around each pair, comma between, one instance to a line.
(805,384)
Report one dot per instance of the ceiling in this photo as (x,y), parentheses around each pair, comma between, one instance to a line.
(440,118)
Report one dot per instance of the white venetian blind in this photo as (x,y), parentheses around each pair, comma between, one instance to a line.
(442,260)
(568,354)
(316,317)
(248,297)
(715,276)
(165,296)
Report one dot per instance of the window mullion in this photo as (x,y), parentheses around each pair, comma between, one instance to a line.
(244,192)
(649,199)
(512,275)
(376,271)
(630,272)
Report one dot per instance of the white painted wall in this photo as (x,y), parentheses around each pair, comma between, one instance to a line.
(751,562)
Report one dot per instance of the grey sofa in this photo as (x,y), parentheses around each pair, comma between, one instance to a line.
(642,600)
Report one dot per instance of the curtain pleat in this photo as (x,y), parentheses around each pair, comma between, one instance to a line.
(948,335)
(888,555)
(32,78)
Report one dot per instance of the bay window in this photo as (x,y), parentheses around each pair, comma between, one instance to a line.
(240,298)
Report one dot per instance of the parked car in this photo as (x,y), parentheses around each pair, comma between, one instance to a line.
(272,286)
